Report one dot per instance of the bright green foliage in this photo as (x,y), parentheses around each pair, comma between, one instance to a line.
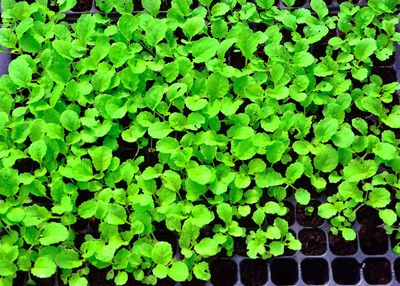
(196,120)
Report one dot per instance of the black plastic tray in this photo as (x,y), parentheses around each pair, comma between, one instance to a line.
(316,267)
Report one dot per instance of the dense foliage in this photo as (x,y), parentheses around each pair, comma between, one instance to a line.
(201,121)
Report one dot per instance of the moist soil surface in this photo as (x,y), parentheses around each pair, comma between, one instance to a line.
(346,271)
(373,240)
(313,241)
(253,272)
(309,219)
(223,272)
(315,271)
(377,271)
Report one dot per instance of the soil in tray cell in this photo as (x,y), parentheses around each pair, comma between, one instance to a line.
(169,237)
(284,271)
(368,215)
(313,241)
(386,63)
(98,277)
(223,272)
(253,272)
(328,2)
(44,281)
(339,246)
(309,219)
(396,267)
(240,246)
(388,75)
(373,240)
(346,271)
(194,282)
(377,271)
(315,271)
(82,5)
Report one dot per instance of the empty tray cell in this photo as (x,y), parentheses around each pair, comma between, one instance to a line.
(339,246)
(377,271)
(396,267)
(284,271)
(223,272)
(307,218)
(373,240)
(253,272)
(313,241)
(346,271)
(314,271)
(368,215)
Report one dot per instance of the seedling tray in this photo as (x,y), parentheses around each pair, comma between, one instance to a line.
(325,259)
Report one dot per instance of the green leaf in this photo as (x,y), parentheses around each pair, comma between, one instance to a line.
(201,216)
(388,216)
(303,59)
(160,271)
(204,49)
(20,72)
(101,157)
(200,174)
(349,234)
(152,6)
(294,171)
(75,280)
(167,145)
(202,271)
(178,272)
(385,150)
(325,129)
(44,267)
(358,170)
(121,278)
(66,5)
(326,158)
(302,196)
(9,183)
(319,6)
(364,48)
(259,217)
(53,233)
(225,212)
(161,253)
(159,130)
(327,210)
(68,259)
(378,198)
(70,120)
(38,150)
(116,214)
(193,26)
(155,32)
(219,9)
(207,247)
(247,42)
(276,248)
(275,151)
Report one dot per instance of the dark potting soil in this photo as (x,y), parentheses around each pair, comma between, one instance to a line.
(373,240)
(82,6)
(20,279)
(240,246)
(98,277)
(44,281)
(313,241)
(223,272)
(235,59)
(253,272)
(315,271)
(166,282)
(346,271)
(368,215)
(194,282)
(328,2)
(309,219)
(377,271)
(284,271)
(388,75)
(396,267)
(386,63)
(339,246)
